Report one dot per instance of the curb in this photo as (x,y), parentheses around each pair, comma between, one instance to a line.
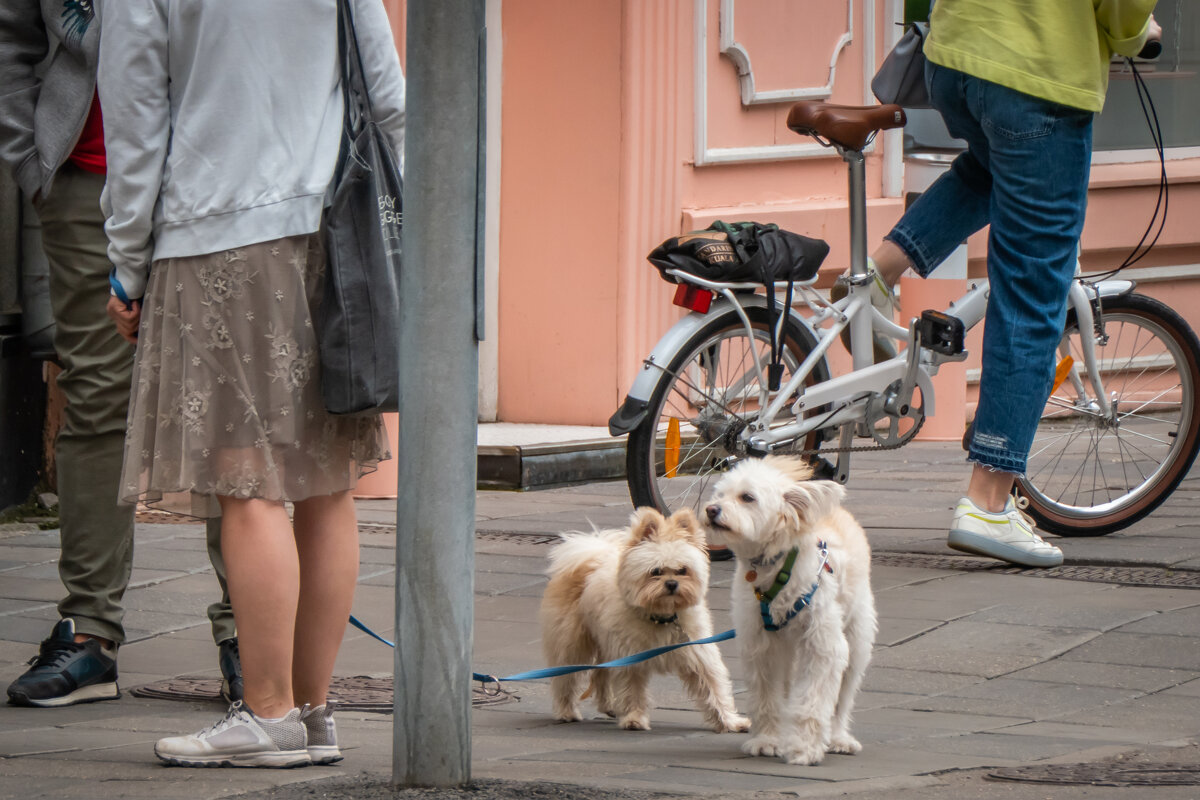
(540,466)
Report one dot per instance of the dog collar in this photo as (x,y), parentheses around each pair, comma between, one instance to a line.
(759,563)
(781,579)
(663,620)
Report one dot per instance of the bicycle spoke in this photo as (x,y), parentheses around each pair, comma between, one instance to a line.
(1133,432)
(1153,399)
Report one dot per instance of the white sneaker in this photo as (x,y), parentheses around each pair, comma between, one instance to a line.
(1008,536)
(322,734)
(240,740)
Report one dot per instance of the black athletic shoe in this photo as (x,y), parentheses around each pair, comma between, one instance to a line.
(65,673)
(231,670)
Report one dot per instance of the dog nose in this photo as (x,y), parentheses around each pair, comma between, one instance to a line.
(713,511)
(671,586)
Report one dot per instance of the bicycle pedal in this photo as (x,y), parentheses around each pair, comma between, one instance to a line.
(942,333)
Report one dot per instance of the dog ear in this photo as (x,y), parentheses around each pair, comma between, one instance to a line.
(685,520)
(814,500)
(647,524)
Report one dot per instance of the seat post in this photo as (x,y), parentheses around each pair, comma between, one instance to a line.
(857,179)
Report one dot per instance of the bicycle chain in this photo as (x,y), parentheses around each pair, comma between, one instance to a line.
(863,448)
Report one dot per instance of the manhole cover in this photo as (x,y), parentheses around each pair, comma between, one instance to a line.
(1094,573)
(359,693)
(1104,774)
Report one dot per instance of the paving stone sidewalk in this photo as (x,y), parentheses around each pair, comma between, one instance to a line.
(976,665)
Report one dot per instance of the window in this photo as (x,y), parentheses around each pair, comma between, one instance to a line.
(1174,82)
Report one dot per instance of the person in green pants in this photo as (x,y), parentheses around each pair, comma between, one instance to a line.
(51,138)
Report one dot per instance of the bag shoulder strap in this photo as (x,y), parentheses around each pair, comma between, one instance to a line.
(358,109)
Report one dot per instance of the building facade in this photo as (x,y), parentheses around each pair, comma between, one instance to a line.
(614,124)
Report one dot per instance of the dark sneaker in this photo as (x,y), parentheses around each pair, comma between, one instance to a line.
(322,734)
(241,739)
(231,670)
(65,673)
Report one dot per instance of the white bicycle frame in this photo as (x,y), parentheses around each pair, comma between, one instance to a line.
(847,396)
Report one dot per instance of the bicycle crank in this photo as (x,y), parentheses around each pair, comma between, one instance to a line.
(885,415)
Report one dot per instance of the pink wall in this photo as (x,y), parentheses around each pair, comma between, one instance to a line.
(599,165)
(559,197)
(598,168)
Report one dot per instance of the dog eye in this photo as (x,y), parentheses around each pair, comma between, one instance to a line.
(747,497)
(681,571)
(654,573)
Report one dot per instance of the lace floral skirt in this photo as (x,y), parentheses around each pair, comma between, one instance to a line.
(227,397)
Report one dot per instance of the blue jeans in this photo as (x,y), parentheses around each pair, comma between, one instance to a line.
(1025,172)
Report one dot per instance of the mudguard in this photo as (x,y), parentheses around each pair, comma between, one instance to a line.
(633,410)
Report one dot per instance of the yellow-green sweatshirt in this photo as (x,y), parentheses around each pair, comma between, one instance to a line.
(1057,50)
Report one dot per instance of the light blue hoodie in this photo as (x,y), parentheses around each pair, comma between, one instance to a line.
(223,119)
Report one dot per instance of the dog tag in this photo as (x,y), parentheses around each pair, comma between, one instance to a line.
(752,576)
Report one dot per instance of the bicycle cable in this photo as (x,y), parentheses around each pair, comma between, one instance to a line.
(1151,115)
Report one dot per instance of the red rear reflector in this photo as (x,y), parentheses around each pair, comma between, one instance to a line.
(693,297)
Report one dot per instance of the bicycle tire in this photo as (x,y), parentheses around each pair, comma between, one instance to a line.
(1152,366)
(710,432)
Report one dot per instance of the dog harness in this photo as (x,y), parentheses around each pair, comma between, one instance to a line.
(781,579)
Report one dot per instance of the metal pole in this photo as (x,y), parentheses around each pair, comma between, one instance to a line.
(435,507)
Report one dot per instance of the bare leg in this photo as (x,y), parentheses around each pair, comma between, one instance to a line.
(989,489)
(327,541)
(263,571)
(890,261)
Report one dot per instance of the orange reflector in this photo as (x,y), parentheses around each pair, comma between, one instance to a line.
(671,456)
(1061,371)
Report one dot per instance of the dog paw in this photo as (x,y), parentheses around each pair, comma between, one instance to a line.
(846,745)
(636,722)
(733,724)
(809,754)
(568,713)
(761,746)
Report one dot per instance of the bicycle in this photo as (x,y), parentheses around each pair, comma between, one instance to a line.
(1118,433)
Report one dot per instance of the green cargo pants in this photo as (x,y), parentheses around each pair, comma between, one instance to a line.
(96,551)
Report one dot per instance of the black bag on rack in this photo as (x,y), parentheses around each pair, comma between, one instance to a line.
(741,252)
(358,325)
(744,252)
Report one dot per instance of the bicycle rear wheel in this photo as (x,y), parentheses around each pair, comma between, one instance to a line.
(705,397)
(1087,475)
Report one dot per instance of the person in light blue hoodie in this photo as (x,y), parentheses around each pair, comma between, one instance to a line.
(225,120)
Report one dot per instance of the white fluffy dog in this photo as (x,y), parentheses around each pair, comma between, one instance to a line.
(619,592)
(806,622)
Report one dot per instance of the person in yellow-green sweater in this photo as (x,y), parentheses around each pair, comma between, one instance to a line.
(1019,81)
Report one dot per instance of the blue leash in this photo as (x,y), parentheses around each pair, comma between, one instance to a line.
(550,672)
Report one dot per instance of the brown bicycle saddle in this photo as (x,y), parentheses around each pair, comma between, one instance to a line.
(851,127)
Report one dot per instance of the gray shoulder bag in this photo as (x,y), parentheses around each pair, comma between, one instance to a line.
(901,77)
(358,325)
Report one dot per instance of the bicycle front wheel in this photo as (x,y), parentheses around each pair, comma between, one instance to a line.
(707,395)
(1088,475)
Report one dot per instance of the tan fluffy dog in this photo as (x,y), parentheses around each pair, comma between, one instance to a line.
(803,677)
(619,592)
